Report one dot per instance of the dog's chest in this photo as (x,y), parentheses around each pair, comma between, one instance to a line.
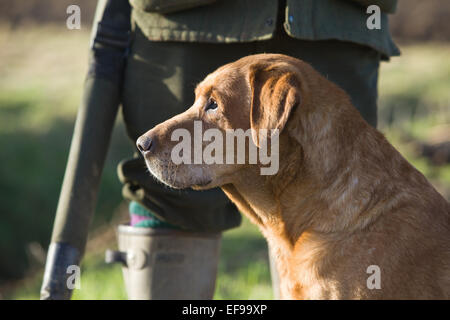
(300,272)
(301,282)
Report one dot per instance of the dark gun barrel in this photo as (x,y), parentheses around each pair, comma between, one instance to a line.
(90,142)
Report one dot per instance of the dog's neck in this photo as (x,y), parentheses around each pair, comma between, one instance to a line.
(321,195)
(316,189)
(262,198)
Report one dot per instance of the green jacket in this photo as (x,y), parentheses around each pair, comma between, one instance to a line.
(252,20)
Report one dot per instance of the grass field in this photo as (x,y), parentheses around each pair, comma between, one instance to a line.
(41,77)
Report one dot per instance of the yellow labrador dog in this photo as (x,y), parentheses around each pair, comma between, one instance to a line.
(346,215)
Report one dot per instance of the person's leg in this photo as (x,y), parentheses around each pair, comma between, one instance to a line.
(159,83)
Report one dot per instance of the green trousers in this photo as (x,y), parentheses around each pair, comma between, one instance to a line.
(159,83)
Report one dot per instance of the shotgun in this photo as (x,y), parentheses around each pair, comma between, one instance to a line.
(110,42)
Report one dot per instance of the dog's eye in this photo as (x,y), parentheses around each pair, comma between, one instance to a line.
(211,105)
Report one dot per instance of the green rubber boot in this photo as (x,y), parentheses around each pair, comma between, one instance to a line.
(162,262)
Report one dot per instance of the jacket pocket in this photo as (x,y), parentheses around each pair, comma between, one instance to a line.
(168,6)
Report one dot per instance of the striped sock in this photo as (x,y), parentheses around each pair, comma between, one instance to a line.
(142,217)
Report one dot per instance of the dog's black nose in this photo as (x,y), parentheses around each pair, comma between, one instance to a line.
(144,143)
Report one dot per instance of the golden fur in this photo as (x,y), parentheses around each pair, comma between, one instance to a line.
(343,198)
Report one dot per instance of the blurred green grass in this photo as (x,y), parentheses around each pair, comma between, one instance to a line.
(243,271)
(41,77)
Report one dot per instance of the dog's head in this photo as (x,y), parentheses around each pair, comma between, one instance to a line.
(246,104)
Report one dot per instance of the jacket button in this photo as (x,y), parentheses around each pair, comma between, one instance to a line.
(269,22)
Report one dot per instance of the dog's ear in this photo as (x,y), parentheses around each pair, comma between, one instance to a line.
(275,92)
